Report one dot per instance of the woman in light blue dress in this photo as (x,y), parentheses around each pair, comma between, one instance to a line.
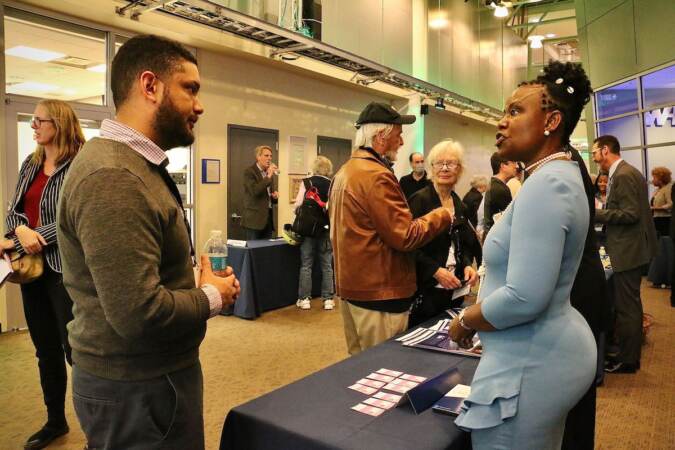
(539,355)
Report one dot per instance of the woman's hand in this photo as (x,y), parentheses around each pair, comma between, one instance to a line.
(447,279)
(461,335)
(6,245)
(470,275)
(30,240)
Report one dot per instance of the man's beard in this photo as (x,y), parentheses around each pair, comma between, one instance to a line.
(171,128)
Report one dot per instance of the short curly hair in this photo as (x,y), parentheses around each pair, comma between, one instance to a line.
(663,174)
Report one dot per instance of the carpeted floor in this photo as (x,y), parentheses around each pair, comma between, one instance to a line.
(244,359)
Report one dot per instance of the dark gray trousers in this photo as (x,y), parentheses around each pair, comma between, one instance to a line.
(161,413)
(628,308)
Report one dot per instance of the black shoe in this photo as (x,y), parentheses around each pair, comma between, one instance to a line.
(45,436)
(620,367)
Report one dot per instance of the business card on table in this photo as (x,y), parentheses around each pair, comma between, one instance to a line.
(414,378)
(406,383)
(371,383)
(387,397)
(367,409)
(363,389)
(379,403)
(392,373)
(397,388)
(380,377)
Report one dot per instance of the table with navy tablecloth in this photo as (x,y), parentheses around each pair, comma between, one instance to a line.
(268,271)
(314,412)
(661,267)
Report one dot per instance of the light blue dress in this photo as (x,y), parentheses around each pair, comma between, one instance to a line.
(542,358)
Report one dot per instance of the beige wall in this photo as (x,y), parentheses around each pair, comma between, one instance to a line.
(477,138)
(3,161)
(244,92)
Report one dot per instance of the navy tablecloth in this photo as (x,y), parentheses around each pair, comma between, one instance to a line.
(268,271)
(314,412)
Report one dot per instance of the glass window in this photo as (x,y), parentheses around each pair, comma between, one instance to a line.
(634,158)
(659,87)
(660,157)
(660,125)
(179,168)
(625,129)
(26,143)
(616,100)
(48,58)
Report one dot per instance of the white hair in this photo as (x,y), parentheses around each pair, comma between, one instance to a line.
(322,166)
(478,180)
(448,146)
(367,132)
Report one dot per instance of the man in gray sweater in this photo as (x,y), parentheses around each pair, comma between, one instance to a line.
(128,262)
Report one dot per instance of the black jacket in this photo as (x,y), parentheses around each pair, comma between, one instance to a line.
(589,291)
(409,185)
(435,254)
(496,201)
(472,201)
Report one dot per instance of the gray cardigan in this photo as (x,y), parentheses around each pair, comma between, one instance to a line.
(126,264)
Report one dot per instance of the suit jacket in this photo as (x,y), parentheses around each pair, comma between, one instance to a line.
(434,255)
(496,201)
(256,198)
(472,201)
(631,235)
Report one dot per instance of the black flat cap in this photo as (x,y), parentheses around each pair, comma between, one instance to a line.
(383,113)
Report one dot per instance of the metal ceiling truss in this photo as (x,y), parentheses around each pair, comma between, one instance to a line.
(288,42)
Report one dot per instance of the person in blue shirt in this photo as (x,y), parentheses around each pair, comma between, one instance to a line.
(539,354)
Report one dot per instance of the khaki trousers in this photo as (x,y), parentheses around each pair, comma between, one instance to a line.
(365,328)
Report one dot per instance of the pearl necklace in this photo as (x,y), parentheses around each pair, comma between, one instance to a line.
(536,165)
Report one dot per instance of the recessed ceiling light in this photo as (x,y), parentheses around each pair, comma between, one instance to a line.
(33,86)
(550,35)
(99,68)
(438,19)
(534,19)
(34,54)
(501,11)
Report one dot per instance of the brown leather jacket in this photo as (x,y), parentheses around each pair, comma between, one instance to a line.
(373,231)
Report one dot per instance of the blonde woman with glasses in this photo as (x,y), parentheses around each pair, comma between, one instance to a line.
(445,263)
(31,229)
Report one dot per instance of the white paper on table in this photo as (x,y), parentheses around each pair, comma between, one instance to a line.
(5,268)
(460,390)
(461,292)
(236,243)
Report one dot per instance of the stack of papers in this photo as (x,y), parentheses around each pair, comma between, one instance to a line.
(437,338)
(375,385)
(5,268)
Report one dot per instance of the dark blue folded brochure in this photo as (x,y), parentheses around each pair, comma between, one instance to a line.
(423,396)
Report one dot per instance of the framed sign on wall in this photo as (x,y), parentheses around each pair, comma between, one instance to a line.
(210,171)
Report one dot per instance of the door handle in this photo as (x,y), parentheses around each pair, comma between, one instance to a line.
(235,216)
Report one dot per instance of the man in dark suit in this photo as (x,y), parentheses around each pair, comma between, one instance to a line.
(417,179)
(259,196)
(499,195)
(631,244)
(472,199)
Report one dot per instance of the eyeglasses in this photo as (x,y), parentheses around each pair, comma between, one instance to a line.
(452,165)
(36,122)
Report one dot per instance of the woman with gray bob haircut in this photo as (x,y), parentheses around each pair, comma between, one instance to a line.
(444,264)
(318,246)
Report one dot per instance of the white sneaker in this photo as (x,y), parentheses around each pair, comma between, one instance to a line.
(328,304)
(303,303)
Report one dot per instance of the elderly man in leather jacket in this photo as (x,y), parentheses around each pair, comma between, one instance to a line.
(374,233)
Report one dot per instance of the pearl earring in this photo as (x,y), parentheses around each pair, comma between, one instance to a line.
(546,132)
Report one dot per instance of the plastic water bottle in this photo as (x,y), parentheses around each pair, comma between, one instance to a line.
(216,248)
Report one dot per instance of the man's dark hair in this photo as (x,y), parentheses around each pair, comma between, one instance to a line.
(159,55)
(567,90)
(413,154)
(496,162)
(610,142)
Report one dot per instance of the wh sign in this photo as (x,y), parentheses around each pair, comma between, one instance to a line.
(659,117)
